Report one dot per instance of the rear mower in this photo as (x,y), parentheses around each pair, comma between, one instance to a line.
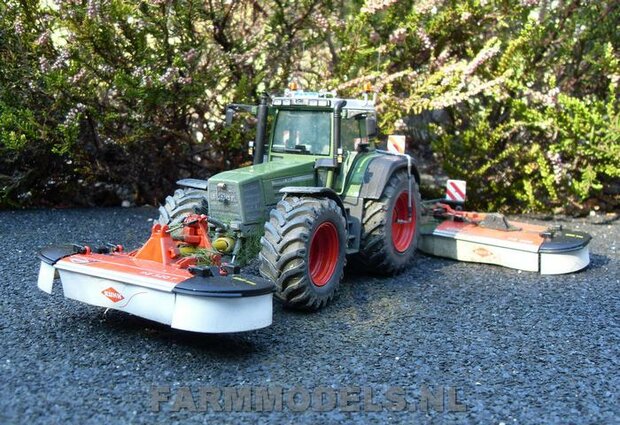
(448,231)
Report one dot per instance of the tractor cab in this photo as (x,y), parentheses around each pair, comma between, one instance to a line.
(319,124)
(316,128)
(315,125)
(303,132)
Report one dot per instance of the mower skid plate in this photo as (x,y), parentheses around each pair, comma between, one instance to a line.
(524,246)
(209,303)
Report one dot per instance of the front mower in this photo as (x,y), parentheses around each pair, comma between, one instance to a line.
(157,283)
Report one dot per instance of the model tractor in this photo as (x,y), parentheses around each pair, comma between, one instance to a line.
(318,191)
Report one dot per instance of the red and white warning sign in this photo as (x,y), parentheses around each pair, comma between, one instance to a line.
(456,190)
(396,143)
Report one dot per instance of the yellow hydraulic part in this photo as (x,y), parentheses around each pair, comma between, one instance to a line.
(224,244)
(186,250)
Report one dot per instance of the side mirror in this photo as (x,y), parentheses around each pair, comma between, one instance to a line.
(230,113)
(329,163)
(371,127)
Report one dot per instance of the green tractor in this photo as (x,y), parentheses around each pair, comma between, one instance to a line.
(318,189)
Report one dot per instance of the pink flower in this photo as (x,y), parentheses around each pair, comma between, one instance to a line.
(398,36)
(374,6)
(426,41)
(483,56)
(92,10)
(43,38)
(19,27)
(190,55)
(169,76)
(44,65)
(78,76)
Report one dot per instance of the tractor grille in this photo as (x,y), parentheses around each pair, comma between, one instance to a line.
(228,202)
(252,202)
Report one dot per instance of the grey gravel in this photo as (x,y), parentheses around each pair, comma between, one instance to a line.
(518,347)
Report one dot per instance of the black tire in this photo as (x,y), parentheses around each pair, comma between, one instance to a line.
(290,245)
(182,203)
(378,250)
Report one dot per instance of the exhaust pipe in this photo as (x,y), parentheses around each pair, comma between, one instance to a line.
(337,140)
(261,129)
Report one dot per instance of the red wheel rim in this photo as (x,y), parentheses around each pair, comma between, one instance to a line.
(402,231)
(324,248)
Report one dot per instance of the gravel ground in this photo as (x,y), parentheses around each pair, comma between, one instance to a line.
(505,346)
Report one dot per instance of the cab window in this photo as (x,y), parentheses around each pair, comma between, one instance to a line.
(302,132)
(353,132)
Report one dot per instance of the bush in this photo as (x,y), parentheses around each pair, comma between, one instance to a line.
(527,93)
(536,159)
(121,98)
(108,101)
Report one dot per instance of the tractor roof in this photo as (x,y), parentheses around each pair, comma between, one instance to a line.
(320,99)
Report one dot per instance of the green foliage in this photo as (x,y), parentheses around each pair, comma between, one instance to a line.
(17,126)
(527,90)
(118,99)
(250,248)
(128,97)
(203,256)
(535,159)
(249,251)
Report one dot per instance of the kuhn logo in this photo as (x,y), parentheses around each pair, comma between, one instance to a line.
(481,252)
(113,294)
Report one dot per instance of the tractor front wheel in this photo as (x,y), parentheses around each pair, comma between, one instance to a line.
(303,251)
(183,203)
(389,235)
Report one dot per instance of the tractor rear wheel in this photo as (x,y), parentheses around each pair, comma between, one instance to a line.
(303,251)
(181,204)
(389,236)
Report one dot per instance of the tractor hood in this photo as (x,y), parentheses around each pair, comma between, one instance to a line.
(246,195)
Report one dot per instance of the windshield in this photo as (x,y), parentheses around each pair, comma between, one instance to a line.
(302,132)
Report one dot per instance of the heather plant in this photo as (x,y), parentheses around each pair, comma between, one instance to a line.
(527,90)
(124,97)
(549,138)
(103,101)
